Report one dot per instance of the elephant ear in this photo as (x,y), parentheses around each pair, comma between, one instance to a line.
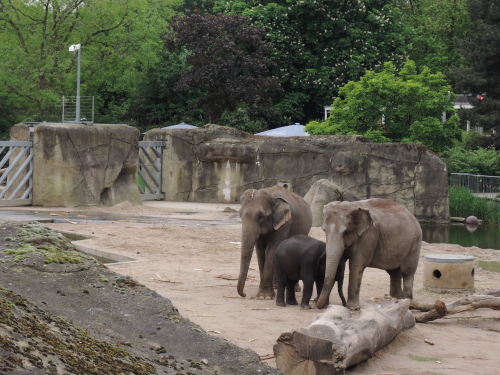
(364,221)
(281,213)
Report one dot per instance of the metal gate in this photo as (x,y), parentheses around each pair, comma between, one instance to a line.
(150,169)
(16,173)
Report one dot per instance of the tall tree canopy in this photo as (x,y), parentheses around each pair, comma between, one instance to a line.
(436,26)
(229,61)
(481,48)
(392,106)
(36,67)
(320,45)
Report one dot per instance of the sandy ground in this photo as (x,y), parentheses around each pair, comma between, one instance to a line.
(189,253)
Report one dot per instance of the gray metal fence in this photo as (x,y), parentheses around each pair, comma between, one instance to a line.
(150,169)
(477,183)
(86,109)
(16,173)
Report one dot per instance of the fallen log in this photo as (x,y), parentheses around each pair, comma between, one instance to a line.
(493,292)
(439,309)
(335,341)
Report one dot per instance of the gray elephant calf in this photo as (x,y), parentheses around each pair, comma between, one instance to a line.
(302,258)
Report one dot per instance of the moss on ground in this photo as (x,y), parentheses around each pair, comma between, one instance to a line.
(56,345)
(38,239)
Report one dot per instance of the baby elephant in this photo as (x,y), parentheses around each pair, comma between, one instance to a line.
(302,258)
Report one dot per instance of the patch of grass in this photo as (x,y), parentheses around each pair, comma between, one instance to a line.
(464,203)
(103,279)
(424,359)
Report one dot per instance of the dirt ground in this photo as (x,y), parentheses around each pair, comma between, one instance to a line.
(189,253)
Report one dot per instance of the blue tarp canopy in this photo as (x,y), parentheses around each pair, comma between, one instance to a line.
(295,130)
(180,126)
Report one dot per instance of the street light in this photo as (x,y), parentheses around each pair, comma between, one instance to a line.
(73,48)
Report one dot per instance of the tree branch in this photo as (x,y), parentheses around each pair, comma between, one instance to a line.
(439,309)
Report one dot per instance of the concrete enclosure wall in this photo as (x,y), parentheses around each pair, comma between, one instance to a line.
(217,164)
(83,165)
(90,165)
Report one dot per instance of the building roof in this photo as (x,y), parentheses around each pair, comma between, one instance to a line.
(296,130)
(182,125)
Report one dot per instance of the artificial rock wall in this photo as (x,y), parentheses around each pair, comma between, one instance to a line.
(217,164)
(83,165)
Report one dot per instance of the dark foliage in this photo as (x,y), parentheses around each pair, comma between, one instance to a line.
(321,45)
(228,58)
(481,47)
(196,6)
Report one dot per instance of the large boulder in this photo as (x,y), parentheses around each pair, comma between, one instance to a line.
(83,165)
(323,192)
(217,164)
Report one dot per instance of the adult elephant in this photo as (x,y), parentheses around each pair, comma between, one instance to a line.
(268,217)
(377,233)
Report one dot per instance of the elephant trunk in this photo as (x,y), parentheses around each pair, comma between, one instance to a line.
(247,247)
(333,255)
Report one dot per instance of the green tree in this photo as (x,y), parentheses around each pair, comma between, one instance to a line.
(481,48)
(405,106)
(36,68)
(436,25)
(153,100)
(228,59)
(321,45)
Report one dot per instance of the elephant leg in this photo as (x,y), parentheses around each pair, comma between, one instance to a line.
(297,287)
(355,277)
(266,290)
(280,293)
(396,278)
(290,293)
(408,285)
(261,257)
(319,287)
(307,294)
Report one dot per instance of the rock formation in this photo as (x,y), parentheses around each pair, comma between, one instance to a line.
(83,165)
(216,164)
(323,192)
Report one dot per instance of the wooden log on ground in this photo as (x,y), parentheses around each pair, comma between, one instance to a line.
(335,341)
(493,292)
(439,309)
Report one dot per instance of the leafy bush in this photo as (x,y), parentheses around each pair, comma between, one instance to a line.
(397,106)
(433,133)
(243,119)
(481,161)
(472,140)
(377,136)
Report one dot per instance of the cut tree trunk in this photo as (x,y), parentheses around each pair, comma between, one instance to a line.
(439,309)
(335,341)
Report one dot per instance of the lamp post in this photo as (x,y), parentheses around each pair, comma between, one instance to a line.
(73,48)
